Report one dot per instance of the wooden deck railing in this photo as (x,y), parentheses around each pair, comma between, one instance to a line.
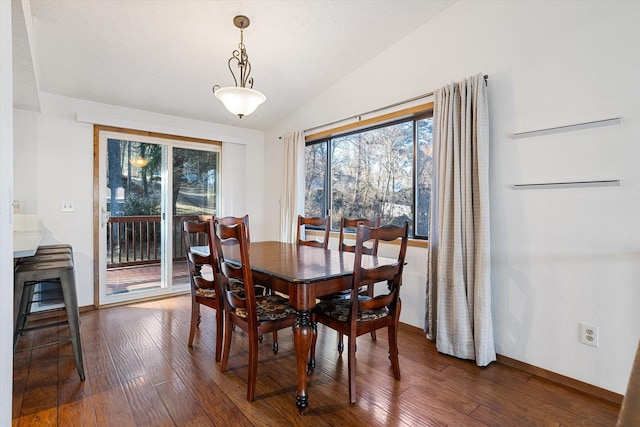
(135,240)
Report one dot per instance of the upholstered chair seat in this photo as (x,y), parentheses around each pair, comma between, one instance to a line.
(268,308)
(340,309)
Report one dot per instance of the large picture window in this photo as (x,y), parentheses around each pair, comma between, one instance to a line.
(383,170)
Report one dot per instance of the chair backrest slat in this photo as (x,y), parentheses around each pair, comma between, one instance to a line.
(323,224)
(391,273)
(232,220)
(231,247)
(352,223)
(198,232)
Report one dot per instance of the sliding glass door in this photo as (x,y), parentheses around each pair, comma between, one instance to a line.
(148,186)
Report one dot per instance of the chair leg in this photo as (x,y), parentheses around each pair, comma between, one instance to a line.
(393,350)
(370,294)
(219,333)
(352,368)
(341,344)
(228,330)
(275,342)
(195,319)
(253,369)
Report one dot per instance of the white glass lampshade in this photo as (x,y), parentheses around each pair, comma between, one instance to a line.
(240,101)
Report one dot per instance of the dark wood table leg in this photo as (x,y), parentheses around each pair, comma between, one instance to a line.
(302,342)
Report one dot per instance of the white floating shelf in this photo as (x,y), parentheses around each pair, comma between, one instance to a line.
(569,128)
(571,184)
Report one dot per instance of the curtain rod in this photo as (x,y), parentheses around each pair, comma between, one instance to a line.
(386,107)
(359,116)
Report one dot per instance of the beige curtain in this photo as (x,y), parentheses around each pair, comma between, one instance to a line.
(459,280)
(292,193)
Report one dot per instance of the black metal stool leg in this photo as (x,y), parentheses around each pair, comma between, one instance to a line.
(73,318)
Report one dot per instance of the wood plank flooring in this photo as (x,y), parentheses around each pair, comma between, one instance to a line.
(140,372)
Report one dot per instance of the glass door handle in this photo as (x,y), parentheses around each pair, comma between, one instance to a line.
(104,217)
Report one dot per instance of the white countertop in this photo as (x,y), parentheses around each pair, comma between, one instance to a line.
(27,235)
(25,243)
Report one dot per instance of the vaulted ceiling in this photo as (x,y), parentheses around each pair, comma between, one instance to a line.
(165,55)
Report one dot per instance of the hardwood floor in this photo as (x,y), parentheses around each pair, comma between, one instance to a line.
(140,372)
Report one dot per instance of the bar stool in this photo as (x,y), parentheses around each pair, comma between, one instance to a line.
(55,249)
(59,246)
(56,272)
(47,257)
(51,290)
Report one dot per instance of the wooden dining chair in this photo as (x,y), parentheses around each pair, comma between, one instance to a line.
(361,314)
(257,315)
(203,290)
(306,223)
(261,283)
(351,224)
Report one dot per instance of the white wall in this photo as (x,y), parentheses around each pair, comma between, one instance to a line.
(54,152)
(561,256)
(6,226)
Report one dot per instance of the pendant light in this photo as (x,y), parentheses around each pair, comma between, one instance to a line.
(240,99)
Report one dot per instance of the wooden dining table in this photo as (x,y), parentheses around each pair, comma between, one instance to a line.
(304,273)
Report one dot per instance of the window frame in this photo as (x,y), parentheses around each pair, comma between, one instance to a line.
(412,114)
(101,135)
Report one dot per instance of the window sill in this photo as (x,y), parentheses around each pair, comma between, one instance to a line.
(416,243)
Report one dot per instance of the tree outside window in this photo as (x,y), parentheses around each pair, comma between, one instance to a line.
(384,171)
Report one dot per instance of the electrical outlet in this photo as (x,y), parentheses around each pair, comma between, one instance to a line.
(67,206)
(589,334)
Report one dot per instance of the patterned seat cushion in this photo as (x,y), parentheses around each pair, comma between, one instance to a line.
(237,287)
(270,307)
(339,309)
(206,293)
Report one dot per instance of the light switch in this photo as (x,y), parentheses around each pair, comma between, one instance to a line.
(67,206)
